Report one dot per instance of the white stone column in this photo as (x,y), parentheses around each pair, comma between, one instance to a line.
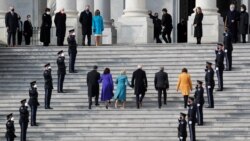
(81,4)
(4,7)
(247,3)
(134,26)
(212,23)
(72,17)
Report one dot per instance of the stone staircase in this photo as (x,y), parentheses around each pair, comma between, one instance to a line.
(70,120)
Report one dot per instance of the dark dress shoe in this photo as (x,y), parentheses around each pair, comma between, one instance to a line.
(97,104)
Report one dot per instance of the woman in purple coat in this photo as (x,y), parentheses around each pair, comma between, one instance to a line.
(107,86)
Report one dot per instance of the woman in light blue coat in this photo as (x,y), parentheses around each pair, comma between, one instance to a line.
(122,82)
(98,27)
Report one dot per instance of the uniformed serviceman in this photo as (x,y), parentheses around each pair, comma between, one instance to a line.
(182,128)
(219,61)
(24,119)
(192,109)
(48,86)
(61,71)
(72,51)
(199,101)
(10,128)
(228,49)
(33,102)
(209,79)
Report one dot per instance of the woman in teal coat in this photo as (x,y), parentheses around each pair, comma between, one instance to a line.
(98,27)
(122,82)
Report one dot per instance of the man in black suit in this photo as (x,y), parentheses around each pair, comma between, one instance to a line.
(199,101)
(228,49)
(192,109)
(86,21)
(27,30)
(20,31)
(24,119)
(219,61)
(60,23)
(167,25)
(232,19)
(48,86)
(61,71)
(161,85)
(33,102)
(209,79)
(11,23)
(93,86)
(45,28)
(140,84)
(182,128)
(157,28)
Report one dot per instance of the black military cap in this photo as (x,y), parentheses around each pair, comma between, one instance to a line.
(199,82)
(209,63)
(219,44)
(23,101)
(71,30)
(47,9)
(9,116)
(191,98)
(47,65)
(33,83)
(60,52)
(182,114)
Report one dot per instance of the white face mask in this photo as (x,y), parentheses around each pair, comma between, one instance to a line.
(241,10)
(12,119)
(48,13)
(26,104)
(231,8)
(35,86)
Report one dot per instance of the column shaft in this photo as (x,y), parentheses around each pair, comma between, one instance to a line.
(134,8)
(104,7)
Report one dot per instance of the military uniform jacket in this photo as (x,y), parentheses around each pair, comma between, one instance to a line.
(182,128)
(61,65)
(139,81)
(209,78)
(228,41)
(72,44)
(161,80)
(24,114)
(33,101)
(199,96)
(219,61)
(48,79)
(10,133)
(192,113)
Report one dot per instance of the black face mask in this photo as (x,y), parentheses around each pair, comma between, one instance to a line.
(12,10)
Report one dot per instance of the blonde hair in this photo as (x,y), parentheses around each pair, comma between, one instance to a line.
(123,72)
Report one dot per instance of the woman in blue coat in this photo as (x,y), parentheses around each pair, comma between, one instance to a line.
(107,86)
(122,82)
(97,26)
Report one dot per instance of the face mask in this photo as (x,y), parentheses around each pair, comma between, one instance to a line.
(73,34)
(12,119)
(241,10)
(231,8)
(26,104)
(62,54)
(48,13)
(13,10)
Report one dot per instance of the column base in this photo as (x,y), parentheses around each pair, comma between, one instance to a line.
(135,30)
(212,29)
(3,30)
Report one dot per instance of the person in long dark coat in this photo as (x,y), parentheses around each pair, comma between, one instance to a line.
(10,128)
(198,33)
(45,28)
(192,109)
(157,28)
(182,32)
(72,50)
(86,21)
(232,20)
(209,79)
(61,71)
(11,23)
(60,23)
(27,30)
(24,119)
(139,83)
(228,49)
(167,25)
(182,128)
(20,31)
(199,101)
(244,22)
(48,85)
(33,102)
(93,86)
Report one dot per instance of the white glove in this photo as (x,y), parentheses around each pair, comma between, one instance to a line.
(198,105)
(190,122)
(217,68)
(181,138)
(226,50)
(209,87)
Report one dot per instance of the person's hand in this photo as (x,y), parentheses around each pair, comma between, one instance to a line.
(198,105)
(209,87)
(194,25)
(232,21)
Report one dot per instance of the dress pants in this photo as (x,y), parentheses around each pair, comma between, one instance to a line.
(48,93)
(191,127)
(10,139)
(60,41)
(96,100)
(228,57)
(33,114)
(24,126)
(219,73)
(210,97)
(168,33)
(88,38)
(19,37)
(27,40)
(139,99)
(60,82)
(160,91)
(12,35)
(72,59)
(200,114)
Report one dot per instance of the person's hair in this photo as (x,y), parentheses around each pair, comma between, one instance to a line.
(244,7)
(164,10)
(198,8)
(97,12)
(47,10)
(184,70)
(139,66)
(28,16)
(161,68)
(95,67)
(106,71)
(123,72)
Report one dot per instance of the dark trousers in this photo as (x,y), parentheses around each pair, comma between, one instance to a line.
(184,139)
(19,37)
(220,78)
(60,82)
(139,99)
(24,126)
(200,114)
(89,39)
(160,91)
(96,100)
(72,59)
(60,41)
(243,38)
(210,97)
(9,139)
(228,57)
(168,33)
(27,40)
(185,100)
(192,131)
(198,40)
(12,35)
(48,93)
(33,114)
(157,37)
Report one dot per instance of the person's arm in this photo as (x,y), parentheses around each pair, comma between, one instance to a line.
(132,80)
(80,18)
(178,84)
(93,24)
(56,19)
(111,82)
(102,26)
(167,82)
(145,79)
(155,81)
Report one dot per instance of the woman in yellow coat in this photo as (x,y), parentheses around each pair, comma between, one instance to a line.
(184,85)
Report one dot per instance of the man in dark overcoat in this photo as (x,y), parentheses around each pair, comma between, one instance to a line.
(45,28)
(244,23)
(60,23)
(11,23)
(232,20)
(86,21)
(167,25)
(27,30)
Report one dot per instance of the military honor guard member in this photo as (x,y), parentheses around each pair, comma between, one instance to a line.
(33,102)
(199,101)
(61,71)
(24,119)
(10,128)
(219,61)
(182,128)
(209,79)
(228,49)
(192,109)
(72,51)
(48,86)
